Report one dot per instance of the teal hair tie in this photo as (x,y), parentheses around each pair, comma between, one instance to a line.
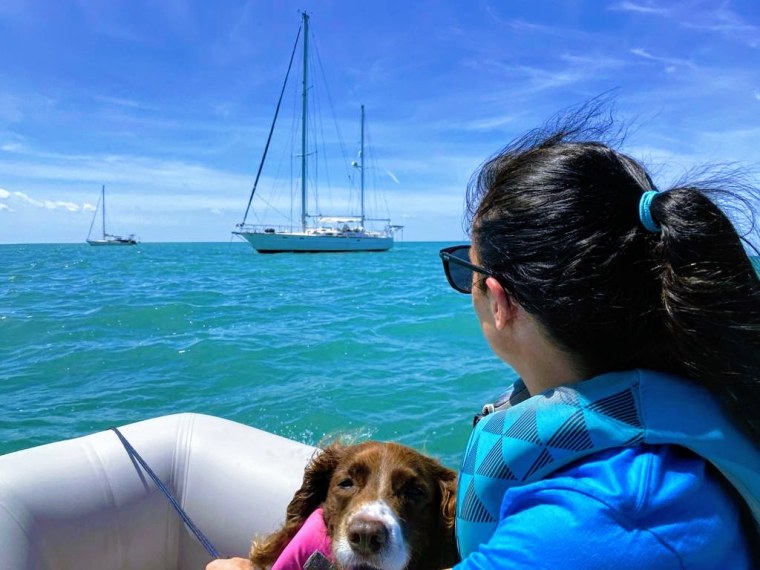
(645,211)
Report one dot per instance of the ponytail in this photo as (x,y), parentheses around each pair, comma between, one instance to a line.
(711,300)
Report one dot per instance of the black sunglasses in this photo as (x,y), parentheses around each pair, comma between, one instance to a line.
(458,269)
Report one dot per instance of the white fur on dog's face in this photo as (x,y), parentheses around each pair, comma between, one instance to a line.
(394,554)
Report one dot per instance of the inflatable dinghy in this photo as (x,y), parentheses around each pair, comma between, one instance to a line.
(85,503)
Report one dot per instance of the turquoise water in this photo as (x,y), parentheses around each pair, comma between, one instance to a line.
(307,346)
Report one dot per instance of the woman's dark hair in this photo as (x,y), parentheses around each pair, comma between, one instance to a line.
(555,216)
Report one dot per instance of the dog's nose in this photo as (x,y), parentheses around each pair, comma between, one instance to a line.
(367,535)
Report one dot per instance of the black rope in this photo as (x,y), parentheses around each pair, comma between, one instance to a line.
(271,130)
(132,452)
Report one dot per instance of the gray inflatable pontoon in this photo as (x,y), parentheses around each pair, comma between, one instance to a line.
(84,503)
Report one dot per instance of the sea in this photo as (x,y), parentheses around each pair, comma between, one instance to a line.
(312,347)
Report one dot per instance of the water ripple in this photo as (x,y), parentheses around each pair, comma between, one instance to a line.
(307,346)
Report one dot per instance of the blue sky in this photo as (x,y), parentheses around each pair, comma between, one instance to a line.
(168,102)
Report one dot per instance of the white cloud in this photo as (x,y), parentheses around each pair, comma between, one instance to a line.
(642,8)
(533,79)
(120,102)
(489,123)
(4,207)
(671,63)
(169,176)
(25,199)
(70,206)
(28,200)
(47,204)
(699,16)
(724,21)
(524,26)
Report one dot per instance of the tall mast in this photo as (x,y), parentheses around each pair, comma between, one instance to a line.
(362,167)
(304,118)
(103,200)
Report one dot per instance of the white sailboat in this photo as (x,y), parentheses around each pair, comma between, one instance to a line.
(106,238)
(317,233)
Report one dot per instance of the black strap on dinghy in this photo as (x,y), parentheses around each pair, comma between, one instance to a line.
(132,452)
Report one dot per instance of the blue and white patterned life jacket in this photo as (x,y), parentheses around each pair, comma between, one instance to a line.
(530,440)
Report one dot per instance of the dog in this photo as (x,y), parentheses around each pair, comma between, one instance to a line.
(385,507)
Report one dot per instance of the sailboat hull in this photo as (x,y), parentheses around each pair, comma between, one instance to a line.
(305,243)
(112,242)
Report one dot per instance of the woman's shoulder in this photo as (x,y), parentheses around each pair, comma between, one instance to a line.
(640,479)
(646,499)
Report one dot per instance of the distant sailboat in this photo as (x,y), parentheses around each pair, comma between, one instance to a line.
(106,238)
(317,233)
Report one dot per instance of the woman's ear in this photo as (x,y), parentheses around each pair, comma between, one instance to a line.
(502,305)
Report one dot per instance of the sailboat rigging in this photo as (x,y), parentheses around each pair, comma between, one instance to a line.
(106,238)
(317,233)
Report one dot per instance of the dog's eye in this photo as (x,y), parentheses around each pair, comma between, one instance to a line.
(346,483)
(413,492)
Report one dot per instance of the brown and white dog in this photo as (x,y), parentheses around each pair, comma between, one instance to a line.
(386,507)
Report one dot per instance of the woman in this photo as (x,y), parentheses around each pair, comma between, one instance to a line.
(632,316)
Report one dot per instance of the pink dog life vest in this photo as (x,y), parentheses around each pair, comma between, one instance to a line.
(309,549)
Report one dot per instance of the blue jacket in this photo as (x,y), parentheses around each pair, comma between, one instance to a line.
(544,485)
(645,507)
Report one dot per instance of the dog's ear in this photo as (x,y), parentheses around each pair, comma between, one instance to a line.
(316,482)
(313,492)
(447,481)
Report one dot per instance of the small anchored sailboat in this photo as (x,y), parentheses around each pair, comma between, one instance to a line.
(315,233)
(106,238)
